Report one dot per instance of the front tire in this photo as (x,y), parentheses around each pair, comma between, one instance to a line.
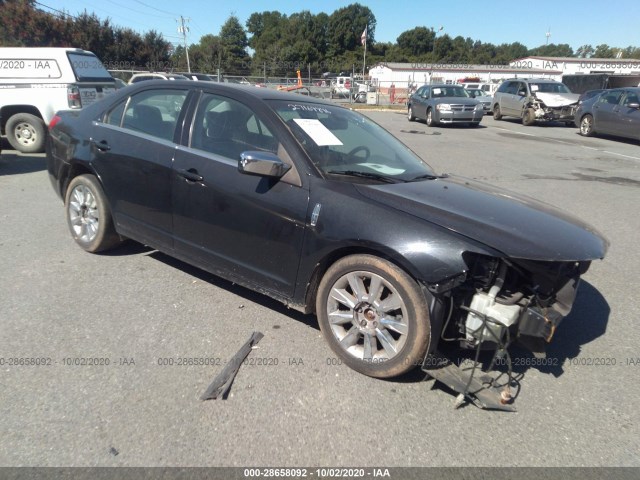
(88,215)
(496,112)
(374,316)
(430,121)
(528,117)
(586,126)
(410,114)
(26,133)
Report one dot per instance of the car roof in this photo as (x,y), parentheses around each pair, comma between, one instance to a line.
(247,90)
(536,80)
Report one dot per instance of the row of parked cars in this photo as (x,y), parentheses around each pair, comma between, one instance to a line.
(613,111)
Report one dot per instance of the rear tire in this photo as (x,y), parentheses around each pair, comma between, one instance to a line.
(374,316)
(88,215)
(26,133)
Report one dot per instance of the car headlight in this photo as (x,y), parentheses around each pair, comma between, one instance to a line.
(479,107)
(443,107)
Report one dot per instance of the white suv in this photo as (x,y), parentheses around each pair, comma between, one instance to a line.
(37,82)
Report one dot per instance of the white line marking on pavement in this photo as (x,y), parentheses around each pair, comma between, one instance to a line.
(568,143)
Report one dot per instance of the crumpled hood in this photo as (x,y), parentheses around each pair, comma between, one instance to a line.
(557,99)
(515,225)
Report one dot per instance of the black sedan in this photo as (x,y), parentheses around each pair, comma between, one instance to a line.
(319,207)
(614,112)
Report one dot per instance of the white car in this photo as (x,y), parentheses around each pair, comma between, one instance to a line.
(140,77)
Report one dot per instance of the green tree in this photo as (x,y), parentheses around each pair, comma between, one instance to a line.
(631,52)
(346,26)
(416,42)
(585,51)
(604,51)
(552,50)
(206,56)
(233,39)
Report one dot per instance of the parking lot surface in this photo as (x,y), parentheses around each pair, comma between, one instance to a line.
(103,358)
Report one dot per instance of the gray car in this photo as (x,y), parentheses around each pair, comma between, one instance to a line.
(534,100)
(482,96)
(444,104)
(613,112)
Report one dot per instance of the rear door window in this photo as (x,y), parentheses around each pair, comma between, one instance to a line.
(511,88)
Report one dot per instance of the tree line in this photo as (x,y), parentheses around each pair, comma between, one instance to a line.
(279,44)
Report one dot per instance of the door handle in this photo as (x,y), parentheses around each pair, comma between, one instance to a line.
(102,145)
(191,175)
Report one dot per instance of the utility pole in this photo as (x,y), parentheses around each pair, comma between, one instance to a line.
(183,29)
(548,34)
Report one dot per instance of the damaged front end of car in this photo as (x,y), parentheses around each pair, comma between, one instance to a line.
(549,107)
(499,302)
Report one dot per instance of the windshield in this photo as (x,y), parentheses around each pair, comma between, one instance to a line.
(475,92)
(446,91)
(341,142)
(549,88)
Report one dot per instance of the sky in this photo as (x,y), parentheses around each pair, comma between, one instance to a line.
(493,21)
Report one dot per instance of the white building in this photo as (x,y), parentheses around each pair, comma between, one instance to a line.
(400,79)
(572,66)
(407,75)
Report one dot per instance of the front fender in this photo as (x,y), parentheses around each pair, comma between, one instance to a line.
(429,253)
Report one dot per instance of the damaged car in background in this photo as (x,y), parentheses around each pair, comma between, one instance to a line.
(534,100)
(321,208)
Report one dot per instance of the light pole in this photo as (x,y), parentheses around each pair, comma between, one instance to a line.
(433,49)
(435,38)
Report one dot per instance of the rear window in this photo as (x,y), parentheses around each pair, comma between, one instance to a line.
(88,68)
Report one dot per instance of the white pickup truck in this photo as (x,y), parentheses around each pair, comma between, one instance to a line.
(37,82)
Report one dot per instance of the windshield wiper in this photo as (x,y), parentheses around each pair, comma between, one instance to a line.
(371,175)
(428,176)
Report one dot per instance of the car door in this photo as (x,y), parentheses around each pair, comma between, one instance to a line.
(132,152)
(510,101)
(419,102)
(520,99)
(243,227)
(603,111)
(628,118)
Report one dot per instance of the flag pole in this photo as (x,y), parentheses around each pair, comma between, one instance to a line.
(364,58)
